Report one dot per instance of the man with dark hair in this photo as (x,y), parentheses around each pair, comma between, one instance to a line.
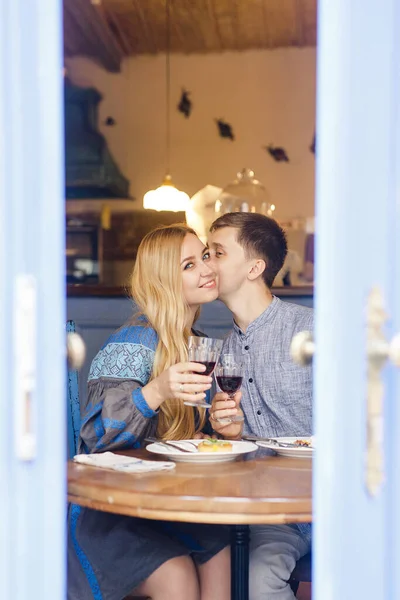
(248,250)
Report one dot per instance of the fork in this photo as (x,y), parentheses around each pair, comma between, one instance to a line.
(168,444)
(252,438)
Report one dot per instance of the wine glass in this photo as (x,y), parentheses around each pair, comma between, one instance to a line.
(229,375)
(205,351)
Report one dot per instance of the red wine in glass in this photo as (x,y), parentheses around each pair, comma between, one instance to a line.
(229,384)
(209,365)
(229,376)
(204,351)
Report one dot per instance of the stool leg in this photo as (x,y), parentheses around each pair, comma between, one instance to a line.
(240,562)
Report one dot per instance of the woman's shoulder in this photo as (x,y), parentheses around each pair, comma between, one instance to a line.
(127,354)
(137,334)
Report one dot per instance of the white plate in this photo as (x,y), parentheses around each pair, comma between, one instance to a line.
(238,448)
(300,452)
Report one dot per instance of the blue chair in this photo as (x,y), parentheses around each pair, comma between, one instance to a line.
(74,418)
(73,406)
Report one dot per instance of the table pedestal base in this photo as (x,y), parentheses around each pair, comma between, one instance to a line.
(240,562)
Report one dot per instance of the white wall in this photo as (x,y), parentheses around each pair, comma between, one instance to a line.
(267,96)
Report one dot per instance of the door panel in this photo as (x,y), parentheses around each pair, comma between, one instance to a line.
(32,312)
(357,216)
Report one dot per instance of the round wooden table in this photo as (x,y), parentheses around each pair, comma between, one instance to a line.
(264,489)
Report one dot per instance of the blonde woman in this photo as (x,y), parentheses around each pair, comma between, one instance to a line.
(137,385)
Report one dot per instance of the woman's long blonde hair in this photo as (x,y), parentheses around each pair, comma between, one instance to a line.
(157,291)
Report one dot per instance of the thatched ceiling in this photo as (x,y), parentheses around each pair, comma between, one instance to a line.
(108,30)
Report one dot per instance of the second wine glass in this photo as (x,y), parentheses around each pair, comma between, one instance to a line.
(229,375)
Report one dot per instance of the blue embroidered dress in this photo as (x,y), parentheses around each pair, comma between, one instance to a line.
(109,555)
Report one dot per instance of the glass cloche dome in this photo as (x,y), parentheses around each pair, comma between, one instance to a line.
(244,194)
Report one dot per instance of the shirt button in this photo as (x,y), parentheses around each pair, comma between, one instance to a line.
(259,412)
(246,347)
(251,380)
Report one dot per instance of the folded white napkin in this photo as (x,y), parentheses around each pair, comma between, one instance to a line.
(127,464)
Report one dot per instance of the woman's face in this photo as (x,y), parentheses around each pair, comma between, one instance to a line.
(199,281)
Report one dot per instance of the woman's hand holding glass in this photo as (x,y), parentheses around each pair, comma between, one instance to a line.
(183,381)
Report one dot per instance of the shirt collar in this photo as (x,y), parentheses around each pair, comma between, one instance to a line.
(266,316)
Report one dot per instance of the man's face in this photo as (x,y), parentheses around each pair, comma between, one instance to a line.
(229,261)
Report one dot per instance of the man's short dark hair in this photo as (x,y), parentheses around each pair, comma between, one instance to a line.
(260,237)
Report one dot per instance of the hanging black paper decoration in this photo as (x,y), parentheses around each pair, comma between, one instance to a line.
(312,147)
(110,122)
(225,129)
(185,104)
(278,154)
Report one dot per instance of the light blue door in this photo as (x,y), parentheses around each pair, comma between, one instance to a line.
(32,316)
(357,414)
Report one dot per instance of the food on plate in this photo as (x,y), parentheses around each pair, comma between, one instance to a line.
(213,445)
(303,443)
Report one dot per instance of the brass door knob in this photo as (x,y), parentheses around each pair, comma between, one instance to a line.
(76,351)
(379,350)
(302,348)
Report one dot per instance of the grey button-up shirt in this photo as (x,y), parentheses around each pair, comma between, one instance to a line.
(277,393)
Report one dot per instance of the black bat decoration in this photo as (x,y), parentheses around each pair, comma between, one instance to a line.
(225,129)
(110,122)
(185,104)
(312,147)
(278,154)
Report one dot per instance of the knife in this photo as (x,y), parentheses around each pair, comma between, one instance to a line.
(272,441)
(169,444)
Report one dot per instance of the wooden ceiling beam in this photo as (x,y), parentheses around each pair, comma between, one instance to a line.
(217,24)
(70,40)
(146,28)
(96,40)
(267,26)
(111,20)
(212,36)
(299,16)
(109,30)
(236,24)
(249,25)
(181,30)
(192,20)
(309,17)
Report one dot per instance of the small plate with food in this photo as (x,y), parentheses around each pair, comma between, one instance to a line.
(294,447)
(207,450)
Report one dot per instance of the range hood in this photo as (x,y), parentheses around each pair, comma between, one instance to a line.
(90,170)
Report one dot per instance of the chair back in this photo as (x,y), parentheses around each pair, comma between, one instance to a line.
(73,406)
